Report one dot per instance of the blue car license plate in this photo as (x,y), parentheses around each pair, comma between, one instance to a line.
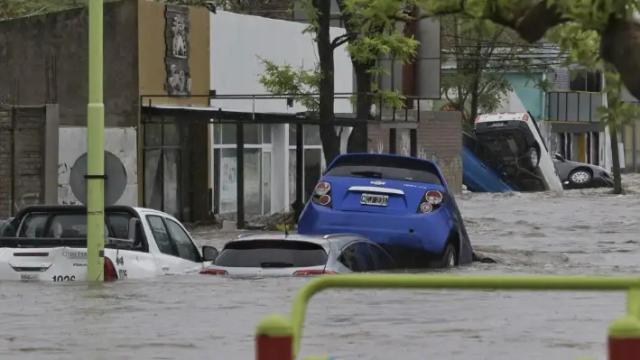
(374,199)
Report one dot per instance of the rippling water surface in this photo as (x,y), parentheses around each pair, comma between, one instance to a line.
(192,317)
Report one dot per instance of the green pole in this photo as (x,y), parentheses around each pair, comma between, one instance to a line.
(95,147)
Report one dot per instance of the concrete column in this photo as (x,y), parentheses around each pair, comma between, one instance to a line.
(280,168)
(51,154)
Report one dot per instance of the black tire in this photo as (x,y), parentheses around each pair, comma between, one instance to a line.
(580,177)
(449,257)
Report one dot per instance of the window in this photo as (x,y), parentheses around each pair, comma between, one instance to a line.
(381,259)
(385,168)
(271,254)
(67,226)
(165,245)
(357,257)
(182,241)
(33,226)
(118,225)
(582,80)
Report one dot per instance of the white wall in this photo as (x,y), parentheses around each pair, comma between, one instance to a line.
(119,141)
(237,42)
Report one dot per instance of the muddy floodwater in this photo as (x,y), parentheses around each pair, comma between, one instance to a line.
(209,317)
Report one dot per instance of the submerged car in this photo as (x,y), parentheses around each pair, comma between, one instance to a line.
(512,145)
(49,243)
(299,255)
(576,175)
(401,203)
(476,175)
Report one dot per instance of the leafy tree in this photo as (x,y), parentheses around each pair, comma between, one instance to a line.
(593,31)
(469,44)
(300,84)
(531,19)
(11,9)
(371,31)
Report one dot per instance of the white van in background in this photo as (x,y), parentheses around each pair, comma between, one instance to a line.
(513,146)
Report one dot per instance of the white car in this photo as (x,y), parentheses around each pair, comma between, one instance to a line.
(48,243)
(299,255)
(513,146)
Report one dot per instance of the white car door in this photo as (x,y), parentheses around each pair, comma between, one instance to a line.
(176,252)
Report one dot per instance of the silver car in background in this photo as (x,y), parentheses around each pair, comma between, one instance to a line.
(299,255)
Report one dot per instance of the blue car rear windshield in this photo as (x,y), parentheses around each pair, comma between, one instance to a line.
(385,167)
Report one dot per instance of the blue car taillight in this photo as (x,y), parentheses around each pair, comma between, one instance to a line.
(431,200)
(322,194)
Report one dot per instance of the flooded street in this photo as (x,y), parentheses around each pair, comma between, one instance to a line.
(192,317)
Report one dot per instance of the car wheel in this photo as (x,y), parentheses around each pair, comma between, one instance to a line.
(580,177)
(533,157)
(449,257)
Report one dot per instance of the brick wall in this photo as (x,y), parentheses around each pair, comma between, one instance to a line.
(44,60)
(378,138)
(439,138)
(5,162)
(22,151)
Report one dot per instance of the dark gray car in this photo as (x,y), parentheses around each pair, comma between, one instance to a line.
(576,175)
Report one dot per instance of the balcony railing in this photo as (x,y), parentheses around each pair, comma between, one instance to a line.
(574,106)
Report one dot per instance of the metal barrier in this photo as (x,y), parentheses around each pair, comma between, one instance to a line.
(278,337)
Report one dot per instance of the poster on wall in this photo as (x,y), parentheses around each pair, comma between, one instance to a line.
(228,184)
(177,50)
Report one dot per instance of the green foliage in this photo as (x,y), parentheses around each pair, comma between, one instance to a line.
(483,53)
(19,8)
(580,44)
(617,111)
(379,33)
(299,83)
(595,14)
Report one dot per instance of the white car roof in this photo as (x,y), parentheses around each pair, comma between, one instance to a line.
(322,240)
(506,116)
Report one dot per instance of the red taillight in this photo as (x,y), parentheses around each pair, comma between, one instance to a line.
(425,207)
(210,271)
(433,197)
(324,200)
(110,273)
(432,200)
(313,272)
(322,194)
(322,188)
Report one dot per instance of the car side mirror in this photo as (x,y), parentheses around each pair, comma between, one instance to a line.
(209,253)
(559,157)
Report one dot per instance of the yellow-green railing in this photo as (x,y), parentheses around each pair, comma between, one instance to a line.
(624,328)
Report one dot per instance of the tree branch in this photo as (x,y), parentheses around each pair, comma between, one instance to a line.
(340,40)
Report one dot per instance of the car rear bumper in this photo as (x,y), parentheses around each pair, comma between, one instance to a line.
(426,232)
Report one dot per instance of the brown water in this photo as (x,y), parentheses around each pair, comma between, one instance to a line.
(193,317)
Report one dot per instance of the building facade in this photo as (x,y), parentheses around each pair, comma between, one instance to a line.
(162,62)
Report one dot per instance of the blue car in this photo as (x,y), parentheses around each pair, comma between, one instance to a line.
(401,203)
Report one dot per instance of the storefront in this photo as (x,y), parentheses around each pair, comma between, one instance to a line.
(267,188)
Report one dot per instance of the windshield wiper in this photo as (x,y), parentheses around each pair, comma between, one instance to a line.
(275,264)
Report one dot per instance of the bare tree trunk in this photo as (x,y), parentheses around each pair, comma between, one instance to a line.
(328,136)
(615,158)
(359,138)
(473,111)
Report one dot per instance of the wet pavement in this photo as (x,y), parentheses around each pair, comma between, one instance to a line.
(193,317)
